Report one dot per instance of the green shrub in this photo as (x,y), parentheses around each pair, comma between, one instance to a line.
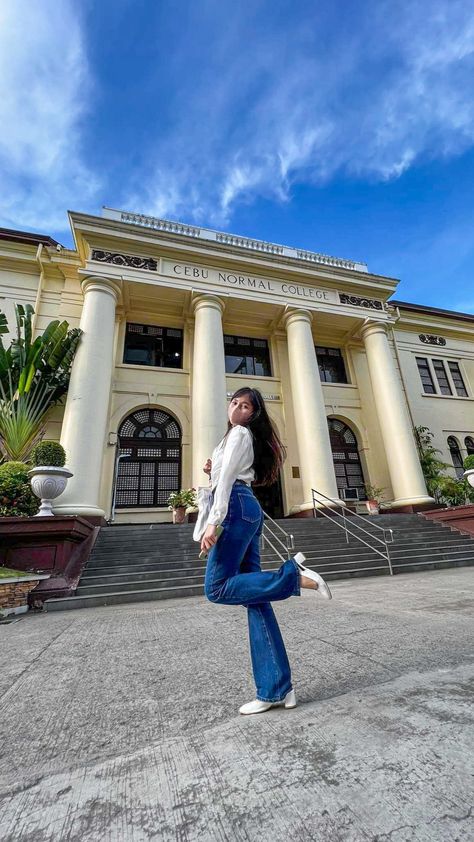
(48,453)
(469,462)
(16,496)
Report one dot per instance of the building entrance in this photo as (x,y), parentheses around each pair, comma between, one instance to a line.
(270,499)
(345,454)
(150,465)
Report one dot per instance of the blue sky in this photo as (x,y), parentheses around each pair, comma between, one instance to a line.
(341,126)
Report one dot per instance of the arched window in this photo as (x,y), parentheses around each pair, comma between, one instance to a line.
(345,454)
(455,456)
(149,467)
(469,444)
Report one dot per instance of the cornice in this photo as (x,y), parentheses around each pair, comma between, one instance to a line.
(97,231)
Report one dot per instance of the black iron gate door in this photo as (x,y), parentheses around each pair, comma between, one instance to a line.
(150,465)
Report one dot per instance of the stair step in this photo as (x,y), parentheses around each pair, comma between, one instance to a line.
(90,590)
(66,603)
(136,563)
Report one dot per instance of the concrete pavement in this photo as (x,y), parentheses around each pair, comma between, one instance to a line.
(122,723)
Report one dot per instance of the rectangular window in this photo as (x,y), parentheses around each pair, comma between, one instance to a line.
(457,379)
(153,345)
(442,377)
(247,356)
(331,365)
(425,374)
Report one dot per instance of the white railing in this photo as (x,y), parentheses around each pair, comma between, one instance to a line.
(235,240)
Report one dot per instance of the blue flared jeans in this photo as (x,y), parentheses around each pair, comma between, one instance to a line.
(234,577)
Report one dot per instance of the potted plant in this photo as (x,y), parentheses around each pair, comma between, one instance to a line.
(373,498)
(468,465)
(48,476)
(178,501)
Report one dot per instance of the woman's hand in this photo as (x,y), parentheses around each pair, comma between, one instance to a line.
(208,467)
(209,538)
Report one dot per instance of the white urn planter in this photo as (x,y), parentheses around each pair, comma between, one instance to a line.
(48,482)
(469,475)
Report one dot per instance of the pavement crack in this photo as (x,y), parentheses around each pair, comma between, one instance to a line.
(35,659)
(358,655)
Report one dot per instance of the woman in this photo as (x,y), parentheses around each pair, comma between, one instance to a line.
(251,452)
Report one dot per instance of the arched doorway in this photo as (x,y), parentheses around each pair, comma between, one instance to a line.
(347,465)
(270,498)
(149,467)
(455,452)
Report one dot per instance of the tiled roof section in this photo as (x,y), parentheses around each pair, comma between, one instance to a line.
(435,311)
(27,237)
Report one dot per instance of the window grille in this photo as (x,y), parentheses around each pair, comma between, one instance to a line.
(457,379)
(425,374)
(456,457)
(244,355)
(153,345)
(147,475)
(331,365)
(442,377)
(347,466)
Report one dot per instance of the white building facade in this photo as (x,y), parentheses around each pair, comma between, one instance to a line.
(176,318)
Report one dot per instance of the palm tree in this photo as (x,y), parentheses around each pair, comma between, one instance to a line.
(34,376)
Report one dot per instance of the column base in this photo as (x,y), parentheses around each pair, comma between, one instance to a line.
(80,510)
(409,504)
(306,509)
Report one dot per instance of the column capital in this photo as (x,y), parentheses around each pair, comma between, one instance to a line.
(97,284)
(297,315)
(370,327)
(202,300)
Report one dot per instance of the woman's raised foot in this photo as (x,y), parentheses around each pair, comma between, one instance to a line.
(311,579)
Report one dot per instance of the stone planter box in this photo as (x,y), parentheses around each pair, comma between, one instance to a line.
(14,591)
(56,546)
(459,517)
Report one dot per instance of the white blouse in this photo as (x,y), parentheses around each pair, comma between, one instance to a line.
(232,459)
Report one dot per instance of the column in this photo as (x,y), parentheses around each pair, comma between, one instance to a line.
(406,476)
(85,421)
(209,404)
(314,446)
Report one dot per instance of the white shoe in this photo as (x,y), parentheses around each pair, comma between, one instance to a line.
(258,706)
(322,588)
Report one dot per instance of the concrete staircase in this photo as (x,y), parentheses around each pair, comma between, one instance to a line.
(160,561)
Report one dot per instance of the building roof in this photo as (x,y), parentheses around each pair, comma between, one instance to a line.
(27,237)
(434,311)
(225,238)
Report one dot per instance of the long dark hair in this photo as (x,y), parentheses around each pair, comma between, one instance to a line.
(269,452)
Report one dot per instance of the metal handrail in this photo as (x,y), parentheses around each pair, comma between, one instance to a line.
(114,497)
(333,517)
(290,541)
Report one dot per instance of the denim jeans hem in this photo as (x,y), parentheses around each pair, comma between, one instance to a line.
(297,590)
(261,699)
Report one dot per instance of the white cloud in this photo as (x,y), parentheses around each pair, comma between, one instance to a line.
(293,93)
(43,87)
(368,100)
